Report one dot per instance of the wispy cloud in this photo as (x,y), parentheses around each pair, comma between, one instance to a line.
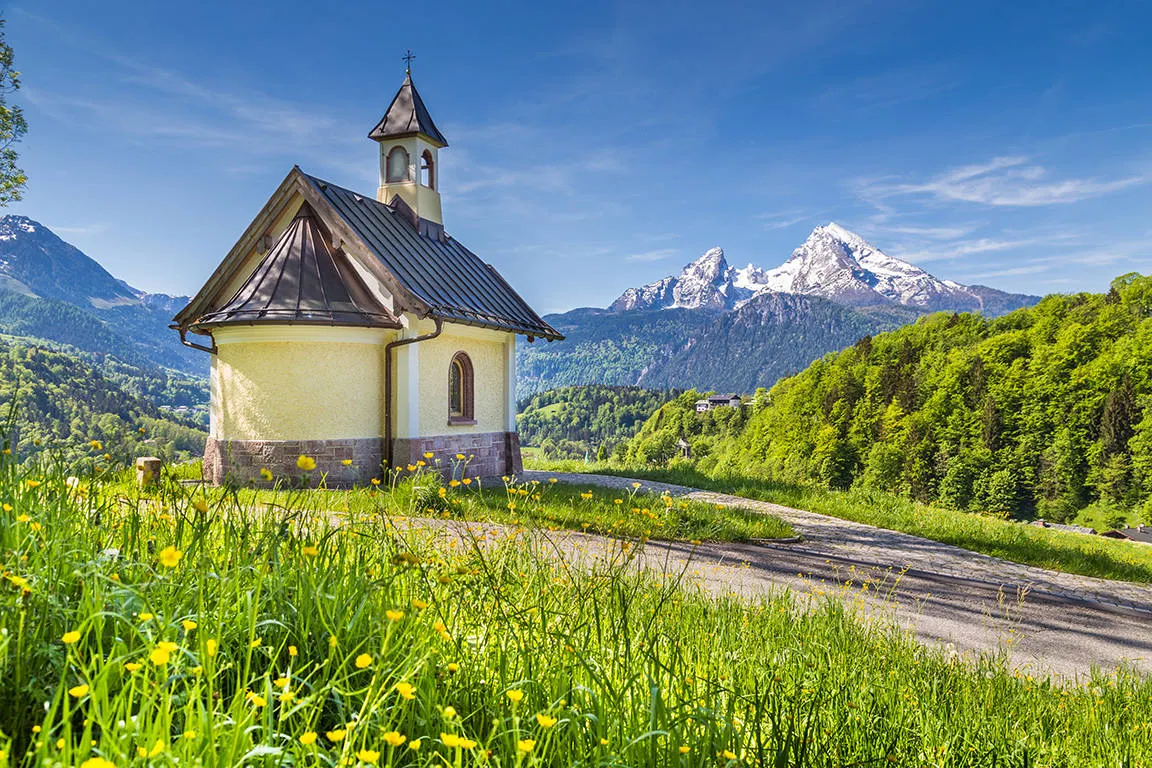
(976,246)
(85,229)
(1001,181)
(661,254)
(783,219)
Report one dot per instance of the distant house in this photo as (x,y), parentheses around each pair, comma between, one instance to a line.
(719,401)
(1140,533)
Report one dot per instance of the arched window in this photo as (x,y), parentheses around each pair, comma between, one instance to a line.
(460,400)
(427,170)
(397,164)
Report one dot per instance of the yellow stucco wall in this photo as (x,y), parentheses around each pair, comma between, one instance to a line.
(486,350)
(298,383)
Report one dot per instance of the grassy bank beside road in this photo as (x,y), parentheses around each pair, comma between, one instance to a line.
(1056,550)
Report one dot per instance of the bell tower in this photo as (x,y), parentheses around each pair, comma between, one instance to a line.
(409,142)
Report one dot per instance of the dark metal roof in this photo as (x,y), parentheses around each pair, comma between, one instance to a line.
(300,280)
(407,115)
(448,278)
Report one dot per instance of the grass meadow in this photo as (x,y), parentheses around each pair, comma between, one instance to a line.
(1046,548)
(179,627)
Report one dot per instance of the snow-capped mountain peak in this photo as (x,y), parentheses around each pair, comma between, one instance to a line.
(833,262)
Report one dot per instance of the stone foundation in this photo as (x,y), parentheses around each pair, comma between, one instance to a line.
(240,461)
(490,454)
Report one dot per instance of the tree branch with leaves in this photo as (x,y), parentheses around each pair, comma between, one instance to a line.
(12,126)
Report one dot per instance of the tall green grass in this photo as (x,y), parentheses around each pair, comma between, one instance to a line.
(179,628)
(1043,547)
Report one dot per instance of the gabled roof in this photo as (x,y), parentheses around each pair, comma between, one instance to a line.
(300,280)
(428,274)
(451,281)
(407,116)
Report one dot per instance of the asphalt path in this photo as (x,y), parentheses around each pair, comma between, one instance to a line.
(1046,622)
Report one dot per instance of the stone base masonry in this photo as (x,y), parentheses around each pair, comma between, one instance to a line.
(488,454)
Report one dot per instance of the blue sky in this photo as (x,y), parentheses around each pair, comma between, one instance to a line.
(596,146)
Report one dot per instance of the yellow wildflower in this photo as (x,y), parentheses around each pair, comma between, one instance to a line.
(255,643)
(19,518)
(368,756)
(281,682)
(603,742)
(406,690)
(71,637)
(159,656)
(442,492)
(97,762)
(336,735)
(210,646)
(395,738)
(157,748)
(308,738)
(544,720)
(97,445)
(515,695)
(459,457)
(467,481)
(145,616)
(188,625)
(132,666)
(286,697)
(375,481)
(414,744)
(453,667)
(685,749)
(526,745)
(467,744)
(200,505)
(306,463)
(266,474)
(256,700)
(170,557)
(32,483)
(394,615)
(347,462)
(419,604)
(728,754)
(450,740)
(292,651)
(331,641)
(363,661)
(310,550)
(428,454)
(189,734)
(77,691)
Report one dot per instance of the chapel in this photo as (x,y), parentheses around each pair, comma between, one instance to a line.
(354,330)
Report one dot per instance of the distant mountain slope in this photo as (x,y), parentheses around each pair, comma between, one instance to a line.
(54,291)
(64,402)
(572,422)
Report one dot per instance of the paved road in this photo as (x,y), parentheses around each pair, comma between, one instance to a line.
(1047,621)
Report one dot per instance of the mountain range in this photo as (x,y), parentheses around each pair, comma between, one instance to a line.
(716,327)
(51,290)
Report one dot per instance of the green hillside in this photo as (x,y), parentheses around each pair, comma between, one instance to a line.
(63,402)
(1044,412)
(571,422)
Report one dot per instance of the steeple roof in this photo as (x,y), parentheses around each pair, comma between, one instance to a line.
(300,280)
(407,116)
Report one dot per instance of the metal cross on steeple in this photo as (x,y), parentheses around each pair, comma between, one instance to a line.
(408,61)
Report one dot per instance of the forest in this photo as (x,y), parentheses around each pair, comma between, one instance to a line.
(1044,412)
(574,422)
(67,408)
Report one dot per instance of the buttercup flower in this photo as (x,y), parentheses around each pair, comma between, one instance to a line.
(526,745)
(450,740)
(337,735)
(395,738)
(414,744)
(77,691)
(266,474)
(159,656)
(210,646)
(133,666)
(70,638)
(306,463)
(394,615)
(188,625)
(347,462)
(363,661)
(545,721)
(310,550)
(170,557)
(308,738)
(406,690)
(515,695)
(368,756)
